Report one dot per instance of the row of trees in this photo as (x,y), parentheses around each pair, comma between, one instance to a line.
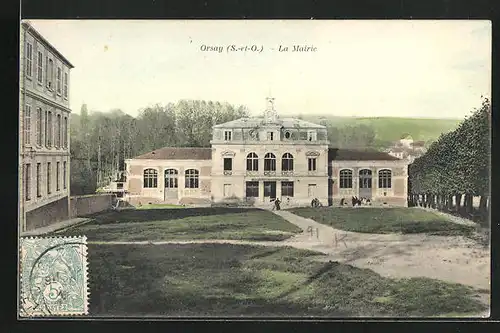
(456,168)
(101,141)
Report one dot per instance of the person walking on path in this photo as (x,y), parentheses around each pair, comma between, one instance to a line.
(277,203)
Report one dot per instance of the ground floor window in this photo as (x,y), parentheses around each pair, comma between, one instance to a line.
(287,189)
(150,178)
(384,179)
(252,189)
(39,179)
(27,179)
(345,179)
(192,178)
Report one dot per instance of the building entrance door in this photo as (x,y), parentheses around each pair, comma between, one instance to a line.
(365,184)
(270,190)
(311,190)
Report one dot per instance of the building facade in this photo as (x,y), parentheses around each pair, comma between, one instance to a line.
(44,125)
(259,159)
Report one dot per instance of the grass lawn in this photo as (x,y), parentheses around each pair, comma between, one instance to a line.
(185,223)
(234,280)
(384,220)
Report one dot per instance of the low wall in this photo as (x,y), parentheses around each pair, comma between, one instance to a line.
(48,214)
(90,204)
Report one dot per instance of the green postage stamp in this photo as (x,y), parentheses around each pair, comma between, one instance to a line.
(53,274)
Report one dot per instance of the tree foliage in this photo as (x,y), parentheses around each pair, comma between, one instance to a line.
(101,141)
(458,163)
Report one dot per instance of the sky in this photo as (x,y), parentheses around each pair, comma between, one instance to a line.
(397,68)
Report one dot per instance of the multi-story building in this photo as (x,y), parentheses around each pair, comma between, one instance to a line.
(44,121)
(261,158)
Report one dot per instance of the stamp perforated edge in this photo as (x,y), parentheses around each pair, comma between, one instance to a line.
(86,292)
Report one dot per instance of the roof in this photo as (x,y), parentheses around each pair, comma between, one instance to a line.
(178,153)
(37,35)
(252,122)
(358,155)
(418,143)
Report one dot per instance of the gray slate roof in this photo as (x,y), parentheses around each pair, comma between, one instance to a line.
(178,153)
(253,122)
(188,153)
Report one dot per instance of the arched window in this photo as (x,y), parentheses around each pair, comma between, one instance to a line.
(150,178)
(287,162)
(252,162)
(384,179)
(269,162)
(192,178)
(365,178)
(171,178)
(345,178)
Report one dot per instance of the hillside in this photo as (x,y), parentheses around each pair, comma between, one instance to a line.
(389,129)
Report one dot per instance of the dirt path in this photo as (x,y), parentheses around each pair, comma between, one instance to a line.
(448,258)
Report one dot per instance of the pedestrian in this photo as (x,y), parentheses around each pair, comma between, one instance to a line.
(277,204)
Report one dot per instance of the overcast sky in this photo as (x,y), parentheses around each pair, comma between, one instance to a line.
(435,69)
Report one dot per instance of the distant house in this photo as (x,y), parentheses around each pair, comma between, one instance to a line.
(406,148)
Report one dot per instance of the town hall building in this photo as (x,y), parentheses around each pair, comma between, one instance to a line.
(258,159)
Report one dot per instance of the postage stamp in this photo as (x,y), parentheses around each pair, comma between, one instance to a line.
(53,273)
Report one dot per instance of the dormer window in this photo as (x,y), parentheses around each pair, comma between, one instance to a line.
(227,135)
(270,136)
(311,135)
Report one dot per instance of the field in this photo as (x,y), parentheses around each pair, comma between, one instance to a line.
(384,221)
(235,280)
(389,129)
(161,224)
(372,275)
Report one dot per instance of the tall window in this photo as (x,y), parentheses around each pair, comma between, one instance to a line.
(270,136)
(64,175)
(252,162)
(287,189)
(58,174)
(59,131)
(65,132)
(150,178)
(49,190)
(287,162)
(66,85)
(311,135)
(384,179)
(50,74)
(49,129)
(29,59)
(39,126)
(171,178)
(252,189)
(38,180)
(228,164)
(27,181)
(39,67)
(365,178)
(27,125)
(192,178)
(345,179)
(311,164)
(227,135)
(59,80)
(269,162)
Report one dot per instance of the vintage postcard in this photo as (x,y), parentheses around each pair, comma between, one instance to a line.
(186,168)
